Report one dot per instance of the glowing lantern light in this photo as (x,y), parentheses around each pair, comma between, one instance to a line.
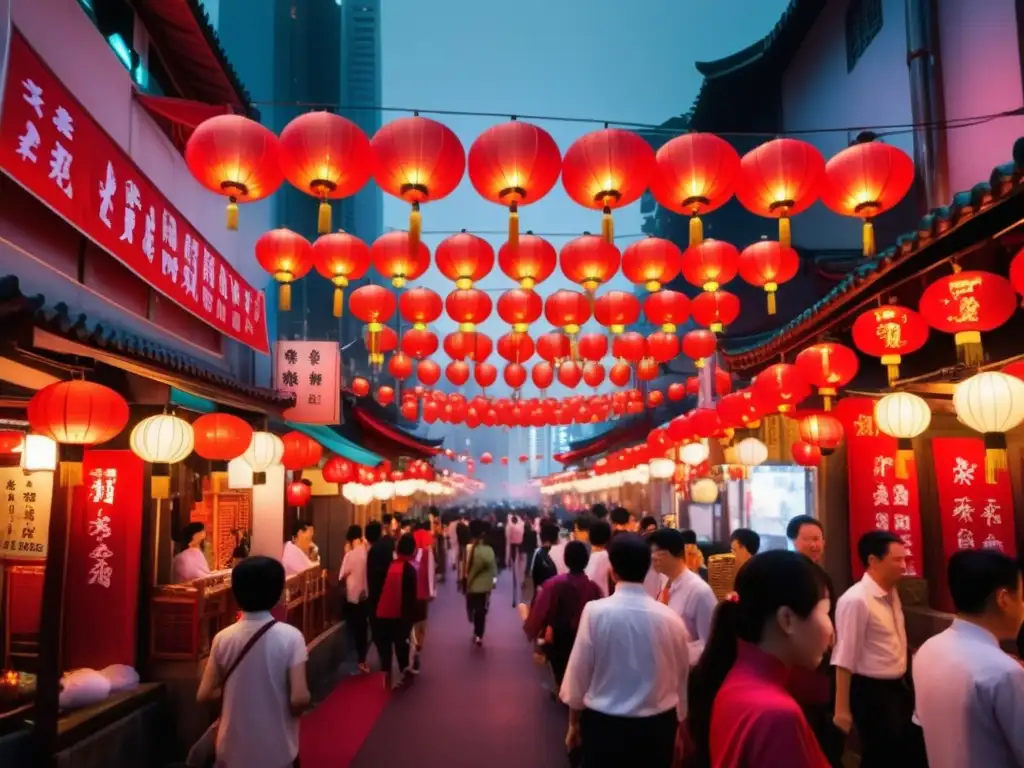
(326,156)
(162,440)
(828,367)
(704,491)
(542,374)
(235,157)
(420,306)
(805,454)
(676,391)
(710,264)
(569,374)
(468,308)
(567,310)
(464,258)
(515,375)
(620,374)
(589,261)
(694,454)
(514,164)
(419,344)
(715,310)
(662,346)
(768,264)
(299,493)
(616,309)
(751,453)
(530,263)
(287,256)
(519,308)
(889,332)
(781,386)
(221,436)
(780,179)
(360,387)
(699,345)
(395,258)
(904,416)
(341,258)
(592,346)
(38,454)
(669,309)
(647,369)
(651,262)
(593,374)
(695,174)
(77,413)
(966,304)
(662,468)
(515,347)
(607,169)
(468,346)
(338,470)
(457,372)
(991,403)
(485,374)
(865,180)
(428,372)
(486,458)
(822,430)
(300,451)
(400,366)
(265,450)
(373,305)
(418,160)
(629,347)
(740,410)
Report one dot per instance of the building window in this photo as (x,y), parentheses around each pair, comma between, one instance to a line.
(863,22)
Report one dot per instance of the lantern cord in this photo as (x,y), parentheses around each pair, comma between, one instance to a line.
(481,232)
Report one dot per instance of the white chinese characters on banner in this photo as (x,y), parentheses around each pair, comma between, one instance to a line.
(60,154)
(102,492)
(26,513)
(312,370)
(887,496)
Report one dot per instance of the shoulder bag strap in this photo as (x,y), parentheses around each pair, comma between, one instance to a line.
(245,650)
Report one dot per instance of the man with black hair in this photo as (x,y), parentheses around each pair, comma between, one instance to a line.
(396,612)
(378,559)
(808,537)
(648,523)
(462,539)
(599,511)
(529,545)
(693,556)
(870,656)
(627,713)
(599,568)
(543,566)
(620,518)
(744,544)
(970,693)
(580,532)
(295,557)
(681,589)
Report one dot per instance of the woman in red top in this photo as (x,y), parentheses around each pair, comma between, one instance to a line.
(396,611)
(740,712)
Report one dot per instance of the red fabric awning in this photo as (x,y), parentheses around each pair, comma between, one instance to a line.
(612,440)
(403,439)
(179,117)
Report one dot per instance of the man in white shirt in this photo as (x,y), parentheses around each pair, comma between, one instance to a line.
(625,684)
(353,576)
(870,657)
(580,532)
(599,567)
(682,590)
(970,693)
(295,558)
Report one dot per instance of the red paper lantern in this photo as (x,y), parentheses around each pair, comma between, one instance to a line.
(779,179)
(457,372)
(782,387)
(740,410)
(676,391)
(715,310)
(373,305)
(607,169)
(543,374)
(967,304)
(464,258)
(468,346)
(705,422)
(567,310)
(651,262)
(806,455)
(655,398)
(418,160)
(299,493)
(694,174)
(616,309)
(385,395)
(553,347)
(519,307)
(80,413)
(647,369)
(326,156)
(428,372)
(620,374)
(514,164)
(889,332)
(341,258)
(419,344)
(593,374)
(589,261)
(865,180)
(409,410)
(300,451)
(236,157)
(828,367)
(569,374)
(698,345)
(395,257)
(400,366)
(420,306)
(515,375)
(768,264)
(669,309)
(530,263)
(287,256)
(710,264)
(218,436)
(468,308)
(485,374)
(360,387)
(515,347)
(338,470)
(662,346)
(592,346)
(629,347)
(822,430)
(486,458)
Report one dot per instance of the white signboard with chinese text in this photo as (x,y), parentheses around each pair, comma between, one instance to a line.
(26,513)
(312,370)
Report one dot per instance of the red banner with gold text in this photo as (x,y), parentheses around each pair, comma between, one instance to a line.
(53,148)
(973,513)
(101,596)
(878,499)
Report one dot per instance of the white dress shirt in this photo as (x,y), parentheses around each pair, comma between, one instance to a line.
(693,599)
(970,700)
(630,657)
(294,560)
(599,570)
(871,639)
(353,573)
(652,583)
(190,564)
(558,557)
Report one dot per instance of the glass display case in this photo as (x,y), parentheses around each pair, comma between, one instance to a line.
(767,500)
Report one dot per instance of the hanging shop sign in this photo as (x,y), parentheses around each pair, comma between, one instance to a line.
(104,546)
(312,371)
(26,513)
(51,146)
(974,514)
(878,499)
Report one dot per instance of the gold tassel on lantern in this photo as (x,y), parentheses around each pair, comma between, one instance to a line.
(995,455)
(785,233)
(968,347)
(415,228)
(904,454)
(232,213)
(892,365)
(868,238)
(696,231)
(827,393)
(323,219)
(513,226)
(339,300)
(770,289)
(607,226)
(284,291)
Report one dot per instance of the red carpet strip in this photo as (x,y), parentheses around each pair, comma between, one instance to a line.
(332,734)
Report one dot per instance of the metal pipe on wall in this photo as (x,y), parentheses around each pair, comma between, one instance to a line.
(928,102)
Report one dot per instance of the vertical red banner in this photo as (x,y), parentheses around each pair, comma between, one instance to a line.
(101,595)
(878,499)
(973,513)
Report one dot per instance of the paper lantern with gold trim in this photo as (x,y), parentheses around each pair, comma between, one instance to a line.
(341,258)
(889,332)
(221,436)
(464,258)
(286,255)
(395,257)
(299,493)
(531,262)
(991,403)
(904,416)
(805,454)
(828,366)
(768,264)
(300,451)
(589,261)
(967,304)
(651,262)
(77,412)
(616,310)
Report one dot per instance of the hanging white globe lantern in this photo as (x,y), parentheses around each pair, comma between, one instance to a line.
(694,454)
(662,469)
(162,440)
(751,453)
(357,494)
(904,416)
(383,491)
(265,451)
(704,491)
(991,403)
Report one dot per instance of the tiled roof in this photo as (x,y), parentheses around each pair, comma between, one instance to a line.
(987,208)
(59,321)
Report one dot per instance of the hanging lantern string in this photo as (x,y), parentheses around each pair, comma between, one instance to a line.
(887,129)
(482,232)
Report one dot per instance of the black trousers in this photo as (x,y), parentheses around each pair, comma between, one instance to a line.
(882,712)
(628,742)
(391,637)
(356,615)
(476,606)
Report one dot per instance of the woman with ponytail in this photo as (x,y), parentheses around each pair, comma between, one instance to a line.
(740,713)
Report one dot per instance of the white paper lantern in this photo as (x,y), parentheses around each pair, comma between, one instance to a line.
(38,454)
(991,403)
(356,493)
(384,491)
(694,454)
(751,452)
(704,491)
(265,451)
(163,439)
(903,415)
(239,475)
(434,488)
(662,469)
